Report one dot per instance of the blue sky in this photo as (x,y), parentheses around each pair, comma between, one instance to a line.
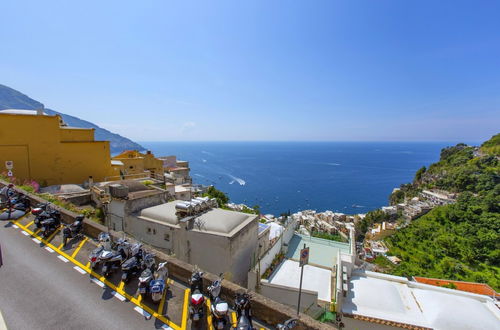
(261,70)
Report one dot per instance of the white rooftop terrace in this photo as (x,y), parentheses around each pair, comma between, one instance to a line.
(315,278)
(322,252)
(394,298)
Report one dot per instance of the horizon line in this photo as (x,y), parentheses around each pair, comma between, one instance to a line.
(310,141)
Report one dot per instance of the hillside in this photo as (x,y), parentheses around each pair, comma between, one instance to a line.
(12,99)
(459,241)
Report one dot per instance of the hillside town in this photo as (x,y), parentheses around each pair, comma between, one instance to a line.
(153,200)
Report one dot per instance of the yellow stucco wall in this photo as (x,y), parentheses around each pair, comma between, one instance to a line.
(136,162)
(45,152)
(76,134)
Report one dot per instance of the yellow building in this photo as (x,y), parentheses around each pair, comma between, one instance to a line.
(39,147)
(137,163)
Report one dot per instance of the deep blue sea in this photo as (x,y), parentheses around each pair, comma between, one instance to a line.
(348,177)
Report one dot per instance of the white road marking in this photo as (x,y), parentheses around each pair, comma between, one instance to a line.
(142,312)
(118,296)
(49,249)
(15,226)
(63,259)
(3,326)
(36,240)
(25,233)
(78,269)
(96,281)
(164,326)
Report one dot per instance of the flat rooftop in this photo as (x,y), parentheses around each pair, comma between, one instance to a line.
(315,279)
(322,252)
(214,221)
(393,298)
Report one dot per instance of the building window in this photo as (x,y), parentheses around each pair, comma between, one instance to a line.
(154,231)
(149,230)
(166,237)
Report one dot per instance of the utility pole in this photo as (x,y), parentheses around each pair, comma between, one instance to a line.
(304,259)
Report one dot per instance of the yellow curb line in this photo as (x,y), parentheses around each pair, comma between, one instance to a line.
(53,234)
(109,284)
(187,292)
(162,301)
(209,316)
(79,247)
(233,319)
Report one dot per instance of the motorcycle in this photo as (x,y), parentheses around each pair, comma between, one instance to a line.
(288,324)
(105,243)
(147,274)
(73,230)
(133,264)
(219,307)
(50,224)
(112,258)
(158,286)
(197,299)
(41,212)
(243,311)
(17,206)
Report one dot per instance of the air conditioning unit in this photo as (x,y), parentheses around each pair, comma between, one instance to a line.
(118,190)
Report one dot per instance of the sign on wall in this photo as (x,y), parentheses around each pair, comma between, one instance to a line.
(304,256)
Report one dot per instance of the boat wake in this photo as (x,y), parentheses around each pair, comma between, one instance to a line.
(235,179)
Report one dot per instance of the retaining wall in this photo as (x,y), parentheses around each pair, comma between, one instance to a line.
(263,308)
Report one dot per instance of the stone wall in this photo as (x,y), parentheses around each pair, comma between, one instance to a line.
(263,308)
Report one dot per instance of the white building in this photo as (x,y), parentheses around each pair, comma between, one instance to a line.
(381,301)
(216,240)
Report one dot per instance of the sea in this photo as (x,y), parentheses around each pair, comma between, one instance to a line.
(347,177)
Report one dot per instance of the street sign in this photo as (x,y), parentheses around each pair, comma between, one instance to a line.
(9,173)
(304,256)
(9,164)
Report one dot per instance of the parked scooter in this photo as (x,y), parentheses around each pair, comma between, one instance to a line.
(134,263)
(17,205)
(105,243)
(197,299)
(73,230)
(288,324)
(218,307)
(146,276)
(243,311)
(6,193)
(49,225)
(112,258)
(41,212)
(159,285)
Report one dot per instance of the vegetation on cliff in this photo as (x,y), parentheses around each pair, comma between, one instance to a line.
(459,241)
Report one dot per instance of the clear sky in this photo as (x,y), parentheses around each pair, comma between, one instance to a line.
(261,70)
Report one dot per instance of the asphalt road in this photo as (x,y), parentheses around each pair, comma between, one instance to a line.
(39,291)
(50,287)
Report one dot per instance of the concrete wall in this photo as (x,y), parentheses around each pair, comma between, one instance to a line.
(289,296)
(279,245)
(263,308)
(34,144)
(152,232)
